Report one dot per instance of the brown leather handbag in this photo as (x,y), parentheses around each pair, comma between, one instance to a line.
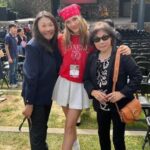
(131,111)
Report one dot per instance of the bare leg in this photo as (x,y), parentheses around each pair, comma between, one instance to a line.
(65,110)
(70,134)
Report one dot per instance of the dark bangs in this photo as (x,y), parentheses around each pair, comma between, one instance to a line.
(107,29)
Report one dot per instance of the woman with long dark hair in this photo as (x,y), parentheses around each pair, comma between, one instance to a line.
(40,73)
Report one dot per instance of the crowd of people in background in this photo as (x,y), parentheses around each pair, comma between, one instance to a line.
(13,43)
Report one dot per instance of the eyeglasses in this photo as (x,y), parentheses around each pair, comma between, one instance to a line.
(24,119)
(98,39)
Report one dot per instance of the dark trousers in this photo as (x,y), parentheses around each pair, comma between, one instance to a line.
(104,123)
(1,71)
(13,71)
(38,127)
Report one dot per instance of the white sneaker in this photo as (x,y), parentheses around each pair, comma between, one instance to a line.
(76,145)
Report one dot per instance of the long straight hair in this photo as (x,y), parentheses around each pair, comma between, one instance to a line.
(83,32)
(48,45)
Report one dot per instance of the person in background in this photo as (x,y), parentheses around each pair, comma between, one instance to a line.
(69,90)
(41,66)
(27,30)
(11,52)
(21,41)
(98,82)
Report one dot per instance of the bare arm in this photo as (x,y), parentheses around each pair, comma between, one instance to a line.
(8,53)
(1,53)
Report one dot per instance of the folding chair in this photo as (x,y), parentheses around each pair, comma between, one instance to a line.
(146,109)
(146,65)
(20,67)
(140,58)
(144,99)
(4,77)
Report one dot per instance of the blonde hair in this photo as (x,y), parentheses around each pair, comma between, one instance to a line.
(83,31)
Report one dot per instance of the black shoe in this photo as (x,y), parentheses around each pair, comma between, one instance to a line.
(78,123)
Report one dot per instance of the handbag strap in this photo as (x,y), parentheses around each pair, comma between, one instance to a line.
(116,69)
(116,73)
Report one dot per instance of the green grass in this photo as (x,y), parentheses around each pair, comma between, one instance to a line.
(11,115)
(17,141)
(6,110)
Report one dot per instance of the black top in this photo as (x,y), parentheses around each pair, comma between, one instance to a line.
(12,45)
(102,79)
(20,39)
(101,73)
(40,73)
(128,67)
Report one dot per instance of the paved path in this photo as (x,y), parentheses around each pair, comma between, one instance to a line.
(61,131)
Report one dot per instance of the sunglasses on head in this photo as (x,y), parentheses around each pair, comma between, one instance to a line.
(98,39)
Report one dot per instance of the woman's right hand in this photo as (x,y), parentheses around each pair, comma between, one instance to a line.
(100,96)
(27,112)
(10,60)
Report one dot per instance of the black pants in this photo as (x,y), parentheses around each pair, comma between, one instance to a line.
(1,70)
(104,123)
(38,127)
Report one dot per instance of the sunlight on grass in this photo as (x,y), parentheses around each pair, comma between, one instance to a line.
(17,141)
(11,115)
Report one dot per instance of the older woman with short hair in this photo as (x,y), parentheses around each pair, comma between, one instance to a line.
(98,84)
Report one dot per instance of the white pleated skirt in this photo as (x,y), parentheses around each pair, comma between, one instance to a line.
(71,94)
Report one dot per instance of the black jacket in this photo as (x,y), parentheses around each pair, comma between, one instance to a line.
(128,67)
(40,73)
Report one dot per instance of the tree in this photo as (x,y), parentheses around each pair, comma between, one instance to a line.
(39,5)
(3,3)
(23,7)
(28,8)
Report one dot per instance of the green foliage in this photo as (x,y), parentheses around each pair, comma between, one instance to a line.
(3,3)
(28,8)
(23,7)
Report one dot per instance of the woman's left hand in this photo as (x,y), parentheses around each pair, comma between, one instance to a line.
(115,96)
(125,50)
(27,112)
